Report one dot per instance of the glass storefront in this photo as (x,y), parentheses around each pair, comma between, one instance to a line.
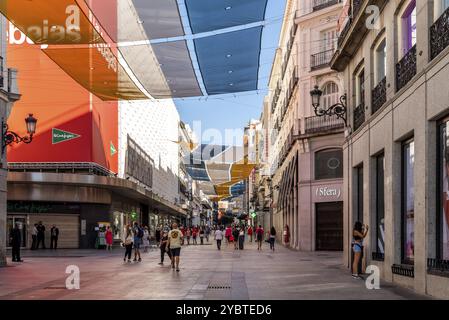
(443,216)
(21,221)
(380,204)
(408,201)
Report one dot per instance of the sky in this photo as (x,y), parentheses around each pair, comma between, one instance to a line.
(233,112)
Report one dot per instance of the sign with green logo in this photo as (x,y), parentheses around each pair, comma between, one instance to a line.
(58,136)
(253,215)
(113,149)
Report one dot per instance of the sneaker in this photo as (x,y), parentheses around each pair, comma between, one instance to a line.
(135,260)
(161,263)
(177,270)
(356,276)
(140,260)
(129,260)
(172,266)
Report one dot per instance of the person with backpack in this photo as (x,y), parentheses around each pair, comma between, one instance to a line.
(259,237)
(138,236)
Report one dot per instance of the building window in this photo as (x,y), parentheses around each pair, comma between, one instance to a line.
(360,88)
(408,24)
(380,204)
(330,94)
(408,202)
(329,164)
(381,61)
(359,193)
(328,40)
(440,6)
(443,209)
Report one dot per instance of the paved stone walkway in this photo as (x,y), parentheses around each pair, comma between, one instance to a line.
(205,274)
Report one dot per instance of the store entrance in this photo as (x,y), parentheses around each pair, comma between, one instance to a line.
(329,226)
(21,221)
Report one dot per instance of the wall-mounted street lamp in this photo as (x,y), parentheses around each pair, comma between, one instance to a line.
(10,137)
(339,109)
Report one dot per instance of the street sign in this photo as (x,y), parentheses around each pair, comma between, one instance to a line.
(253,215)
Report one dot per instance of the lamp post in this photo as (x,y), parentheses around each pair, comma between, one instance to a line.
(10,137)
(339,109)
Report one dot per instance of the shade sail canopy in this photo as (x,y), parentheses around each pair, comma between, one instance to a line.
(209,15)
(165,48)
(219,170)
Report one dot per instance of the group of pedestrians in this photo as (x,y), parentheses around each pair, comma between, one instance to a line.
(135,237)
(193,233)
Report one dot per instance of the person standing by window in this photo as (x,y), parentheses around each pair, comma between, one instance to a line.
(34,233)
(128,243)
(16,240)
(359,233)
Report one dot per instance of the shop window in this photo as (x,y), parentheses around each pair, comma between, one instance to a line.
(408,202)
(380,204)
(328,164)
(408,24)
(360,88)
(443,195)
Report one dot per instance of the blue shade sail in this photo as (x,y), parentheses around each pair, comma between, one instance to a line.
(198,171)
(238,189)
(209,15)
(229,62)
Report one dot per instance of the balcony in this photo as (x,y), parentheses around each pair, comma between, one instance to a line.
(379,95)
(289,142)
(314,125)
(438,267)
(353,32)
(359,116)
(439,35)
(321,4)
(321,59)
(406,69)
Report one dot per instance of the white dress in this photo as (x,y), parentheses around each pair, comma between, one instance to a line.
(146,241)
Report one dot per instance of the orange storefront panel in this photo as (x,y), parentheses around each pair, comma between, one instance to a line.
(73,124)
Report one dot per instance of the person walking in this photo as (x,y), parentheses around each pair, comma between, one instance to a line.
(235,235)
(241,238)
(158,235)
(146,239)
(218,237)
(40,235)
(259,237)
(207,232)
(188,234)
(359,233)
(16,241)
(228,235)
(272,237)
(128,243)
(34,237)
(174,243)
(202,235)
(194,235)
(250,233)
(138,235)
(164,248)
(109,238)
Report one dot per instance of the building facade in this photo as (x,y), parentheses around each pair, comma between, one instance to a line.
(306,154)
(9,94)
(395,70)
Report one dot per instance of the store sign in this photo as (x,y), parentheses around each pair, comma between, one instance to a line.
(113,149)
(139,164)
(58,136)
(328,192)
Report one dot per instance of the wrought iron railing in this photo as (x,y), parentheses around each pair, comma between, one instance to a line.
(321,4)
(321,59)
(378,256)
(323,124)
(403,270)
(406,68)
(379,95)
(438,266)
(439,35)
(359,116)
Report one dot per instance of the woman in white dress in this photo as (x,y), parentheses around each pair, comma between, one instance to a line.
(146,239)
